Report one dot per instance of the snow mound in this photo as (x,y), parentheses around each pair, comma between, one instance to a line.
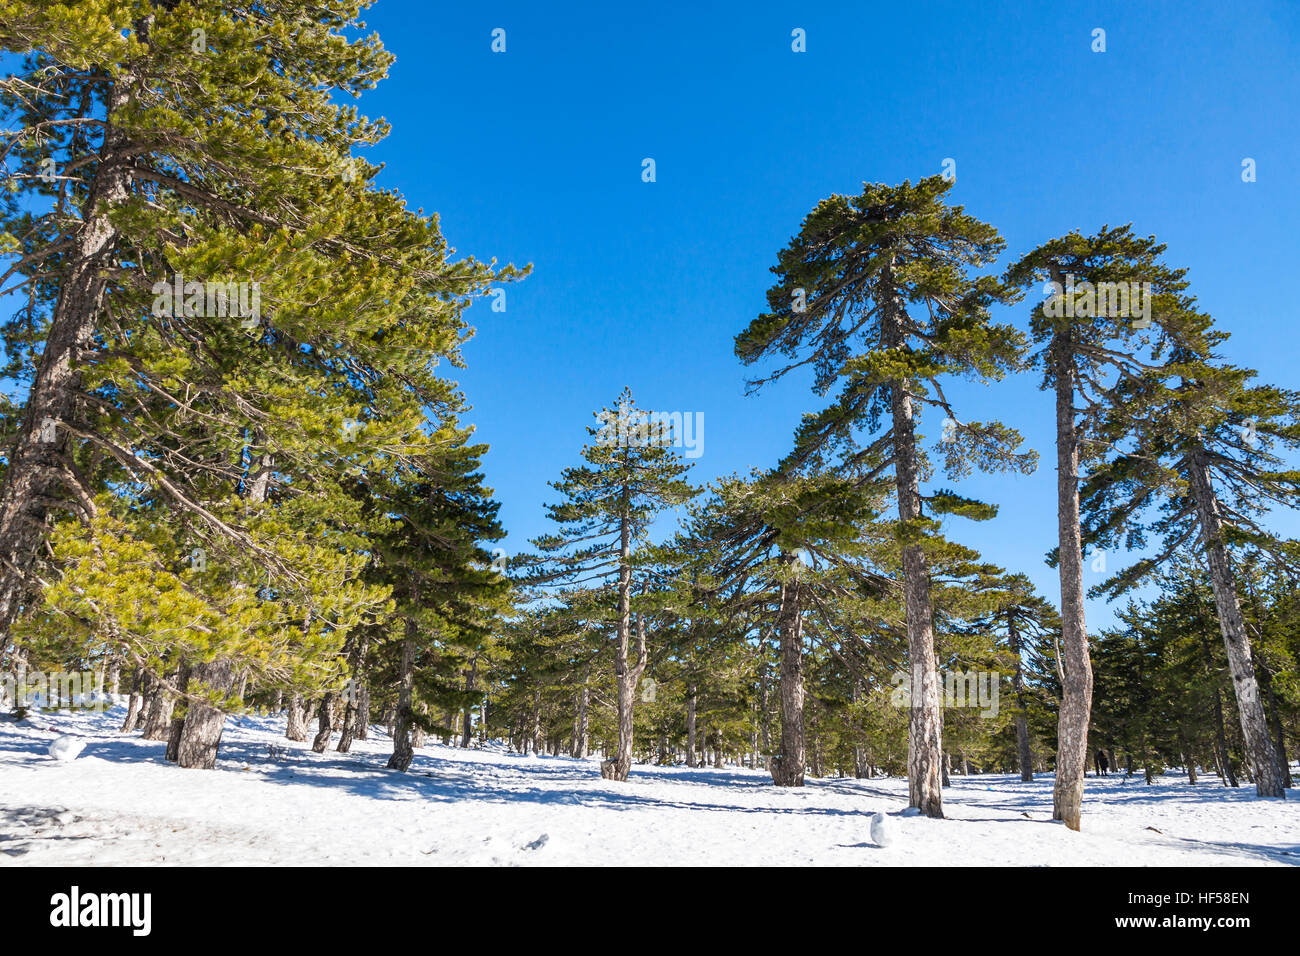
(65,747)
(882,831)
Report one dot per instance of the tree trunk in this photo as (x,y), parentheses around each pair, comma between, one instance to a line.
(296,728)
(353,716)
(924,736)
(1024,755)
(1220,738)
(201,734)
(158,711)
(177,727)
(1259,748)
(174,731)
(449,727)
(417,732)
(764,712)
(39,470)
(580,731)
(860,761)
(691,703)
(348,732)
(467,713)
(789,762)
(1076,702)
(403,753)
(626,676)
(325,723)
(1275,718)
(136,702)
(361,723)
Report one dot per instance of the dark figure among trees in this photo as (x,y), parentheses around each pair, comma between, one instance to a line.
(1101,763)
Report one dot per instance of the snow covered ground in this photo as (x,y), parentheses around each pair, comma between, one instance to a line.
(119,802)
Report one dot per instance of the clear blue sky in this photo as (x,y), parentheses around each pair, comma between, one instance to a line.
(535,155)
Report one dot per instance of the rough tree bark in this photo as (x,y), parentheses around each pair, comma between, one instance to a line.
(296,725)
(177,726)
(113,677)
(325,723)
(39,470)
(789,762)
(403,753)
(135,704)
(361,725)
(581,732)
(627,676)
(467,713)
(765,714)
(1023,753)
(417,732)
(158,706)
(1076,702)
(1275,720)
(353,718)
(692,700)
(1260,752)
(924,733)
(200,735)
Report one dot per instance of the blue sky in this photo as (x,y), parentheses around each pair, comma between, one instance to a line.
(534,155)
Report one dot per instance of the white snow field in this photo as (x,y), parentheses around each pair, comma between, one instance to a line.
(119,802)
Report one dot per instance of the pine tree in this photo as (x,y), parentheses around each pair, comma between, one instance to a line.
(1204,454)
(873,292)
(197,147)
(606,508)
(1024,623)
(748,539)
(1089,330)
(448,596)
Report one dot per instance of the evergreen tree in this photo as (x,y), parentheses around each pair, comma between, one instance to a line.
(1204,456)
(448,596)
(607,506)
(1024,623)
(751,535)
(874,293)
(225,319)
(1101,293)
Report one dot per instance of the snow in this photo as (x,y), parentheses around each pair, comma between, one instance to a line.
(66,747)
(882,831)
(273,801)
